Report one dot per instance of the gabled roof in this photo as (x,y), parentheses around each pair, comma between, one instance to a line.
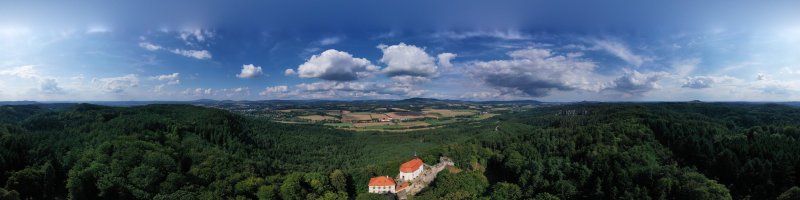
(381,181)
(411,166)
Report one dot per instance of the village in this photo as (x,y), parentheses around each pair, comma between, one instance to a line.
(413,176)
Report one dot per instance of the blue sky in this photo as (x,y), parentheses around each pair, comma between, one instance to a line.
(472,50)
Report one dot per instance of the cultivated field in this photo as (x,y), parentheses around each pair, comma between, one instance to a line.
(361,125)
(450,113)
(356,117)
(401,120)
(318,118)
(406,115)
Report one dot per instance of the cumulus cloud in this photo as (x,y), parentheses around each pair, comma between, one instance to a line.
(250,71)
(700,82)
(536,72)
(50,86)
(149,46)
(621,51)
(336,65)
(171,79)
(117,84)
(444,59)
(407,60)
(274,90)
(289,72)
(197,54)
(635,83)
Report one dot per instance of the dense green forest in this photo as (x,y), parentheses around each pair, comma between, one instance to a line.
(597,151)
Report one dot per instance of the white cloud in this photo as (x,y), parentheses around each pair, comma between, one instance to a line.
(50,86)
(634,83)
(336,65)
(172,79)
(234,92)
(410,60)
(685,67)
(621,51)
(159,88)
(406,79)
(274,90)
(198,92)
(509,34)
(26,71)
(149,46)
(117,84)
(537,72)
(444,59)
(97,29)
(357,89)
(250,71)
(701,82)
(330,41)
(190,35)
(197,54)
(289,72)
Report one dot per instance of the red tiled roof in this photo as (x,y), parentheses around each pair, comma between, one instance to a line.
(402,186)
(381,181)
(411,165)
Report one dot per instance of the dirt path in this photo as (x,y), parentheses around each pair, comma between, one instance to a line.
(425,178)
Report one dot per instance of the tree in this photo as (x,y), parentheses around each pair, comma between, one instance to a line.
(370,196)
(334,196)
(506,191)
(339,180)
(291,188)
(545,196)
(8,195)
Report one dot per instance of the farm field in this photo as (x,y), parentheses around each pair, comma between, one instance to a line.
(450,113)
(393,120)
(318,118)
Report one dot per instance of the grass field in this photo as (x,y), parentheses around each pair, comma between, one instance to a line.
(371,124)
(485,116)
(340,125)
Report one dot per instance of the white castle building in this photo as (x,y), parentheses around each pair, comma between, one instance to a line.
(411,169)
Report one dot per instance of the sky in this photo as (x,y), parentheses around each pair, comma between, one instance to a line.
(349,50)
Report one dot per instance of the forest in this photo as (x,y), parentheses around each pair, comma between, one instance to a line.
(573,151)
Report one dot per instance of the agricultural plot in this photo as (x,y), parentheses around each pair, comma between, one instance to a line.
(356,117)
(401,120)
(318,118)
(406,115)
(361,125)
(450,113)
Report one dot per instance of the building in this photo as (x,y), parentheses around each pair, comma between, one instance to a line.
(411,169)
(382,184)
